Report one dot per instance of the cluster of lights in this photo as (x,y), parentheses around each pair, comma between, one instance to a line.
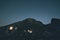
(29,31)
(12,28)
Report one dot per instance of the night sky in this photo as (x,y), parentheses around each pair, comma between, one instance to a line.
(16,10)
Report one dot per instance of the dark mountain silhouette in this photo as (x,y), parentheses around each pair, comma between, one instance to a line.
(54,28)
(31,29)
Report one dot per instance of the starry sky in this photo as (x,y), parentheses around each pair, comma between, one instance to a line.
(16,10)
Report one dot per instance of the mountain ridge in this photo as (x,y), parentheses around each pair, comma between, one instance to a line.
(31,29)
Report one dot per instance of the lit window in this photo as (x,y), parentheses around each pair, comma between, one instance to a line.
(11,28)
(30,31)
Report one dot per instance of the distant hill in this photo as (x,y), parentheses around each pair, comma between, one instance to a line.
(31,29)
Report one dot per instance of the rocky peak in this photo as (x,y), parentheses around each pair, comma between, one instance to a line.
(55,21)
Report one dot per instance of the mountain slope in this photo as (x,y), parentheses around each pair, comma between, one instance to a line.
(31,29)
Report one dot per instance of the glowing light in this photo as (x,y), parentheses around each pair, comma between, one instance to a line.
(11,28)
(24,30)
(16,28)
(30,31)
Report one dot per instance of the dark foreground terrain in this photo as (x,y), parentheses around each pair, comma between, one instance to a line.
(30,29)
